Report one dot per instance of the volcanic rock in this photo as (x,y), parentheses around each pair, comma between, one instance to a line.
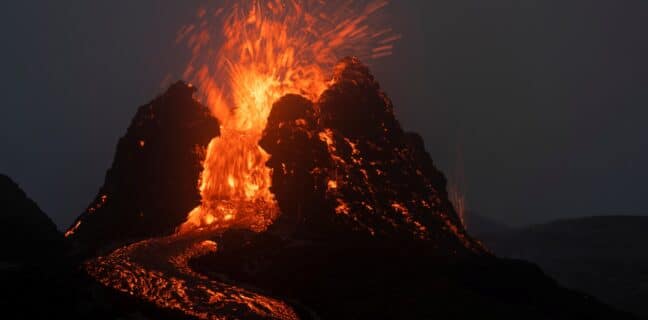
(28,235)
(344,165)
(152,183)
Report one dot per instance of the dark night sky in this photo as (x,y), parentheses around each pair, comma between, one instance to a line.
(546,99)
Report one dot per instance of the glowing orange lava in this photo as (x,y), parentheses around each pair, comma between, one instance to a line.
(265,50)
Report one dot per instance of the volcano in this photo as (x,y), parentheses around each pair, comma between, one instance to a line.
(365,228)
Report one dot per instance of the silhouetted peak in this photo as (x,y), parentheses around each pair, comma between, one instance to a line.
(152,183)
(351,69)
(355,105)
(10,190)
(26,232)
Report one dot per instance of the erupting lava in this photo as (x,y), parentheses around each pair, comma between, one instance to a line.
(267,49)
(246,57)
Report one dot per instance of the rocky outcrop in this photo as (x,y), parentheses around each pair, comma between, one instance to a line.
(28,234)
(343,165)
(152,183)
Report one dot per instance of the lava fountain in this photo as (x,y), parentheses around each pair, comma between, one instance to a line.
(265,50)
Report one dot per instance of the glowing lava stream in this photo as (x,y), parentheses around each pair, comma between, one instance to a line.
(266,49)
(156,270)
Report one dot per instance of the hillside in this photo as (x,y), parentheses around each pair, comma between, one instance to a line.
(604,256)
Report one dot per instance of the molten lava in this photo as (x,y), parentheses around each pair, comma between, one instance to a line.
(266,49)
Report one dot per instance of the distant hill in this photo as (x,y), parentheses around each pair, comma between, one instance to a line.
(605,256)
(477,225)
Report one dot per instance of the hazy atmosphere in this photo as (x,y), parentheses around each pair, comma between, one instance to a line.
(545,100)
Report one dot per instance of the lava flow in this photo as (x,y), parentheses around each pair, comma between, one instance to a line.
(157,271)
(266,49)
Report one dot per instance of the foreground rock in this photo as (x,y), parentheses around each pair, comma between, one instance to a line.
(42,280)
(152,183)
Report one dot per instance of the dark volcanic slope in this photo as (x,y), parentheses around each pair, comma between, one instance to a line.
(605,256)
(27,234)
(344,165)
(152,183)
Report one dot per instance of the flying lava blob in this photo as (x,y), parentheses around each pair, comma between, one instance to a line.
(245,56)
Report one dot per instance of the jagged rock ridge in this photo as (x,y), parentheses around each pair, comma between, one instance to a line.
(152,183)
